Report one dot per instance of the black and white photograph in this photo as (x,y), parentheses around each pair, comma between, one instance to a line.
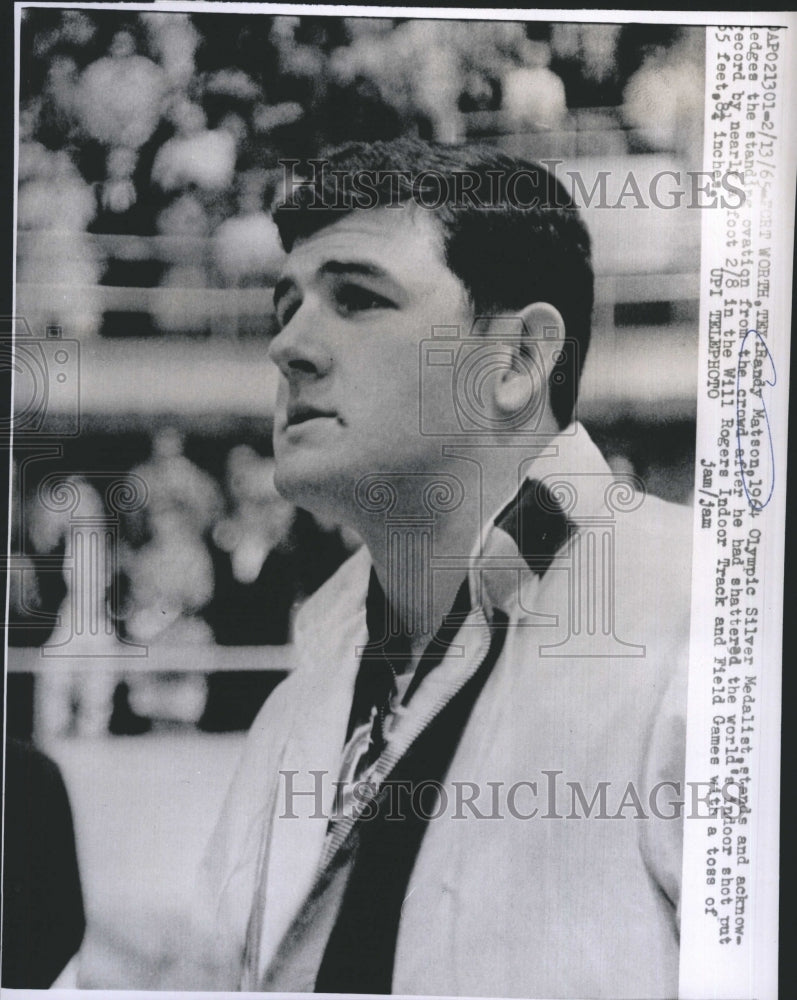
(397,477)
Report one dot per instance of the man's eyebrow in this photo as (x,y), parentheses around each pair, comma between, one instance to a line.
(353,267)
(340,267)
(393,286)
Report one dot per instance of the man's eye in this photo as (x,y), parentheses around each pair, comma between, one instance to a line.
(353,298)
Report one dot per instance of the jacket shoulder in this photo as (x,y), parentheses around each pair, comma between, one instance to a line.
(337,600)
(659,531)
(654,568)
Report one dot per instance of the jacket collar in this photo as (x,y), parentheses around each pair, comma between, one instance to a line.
(558,491)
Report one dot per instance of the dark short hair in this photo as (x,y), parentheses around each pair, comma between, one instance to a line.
(511,232)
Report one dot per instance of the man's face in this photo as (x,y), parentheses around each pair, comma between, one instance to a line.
(354,303)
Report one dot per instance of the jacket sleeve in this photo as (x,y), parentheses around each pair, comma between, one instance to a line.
(661,838)
(227,876)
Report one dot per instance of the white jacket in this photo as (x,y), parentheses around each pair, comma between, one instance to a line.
(547,906)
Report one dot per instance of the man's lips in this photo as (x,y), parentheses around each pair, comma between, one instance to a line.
(300,413)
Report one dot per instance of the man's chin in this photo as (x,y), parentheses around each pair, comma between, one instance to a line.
(310,485)
(291,482)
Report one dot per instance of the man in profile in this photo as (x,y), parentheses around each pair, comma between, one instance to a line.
(469,784)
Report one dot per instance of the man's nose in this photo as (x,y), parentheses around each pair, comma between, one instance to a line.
(300,349)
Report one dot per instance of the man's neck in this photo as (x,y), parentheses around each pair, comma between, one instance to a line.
(418,598)
(421,547)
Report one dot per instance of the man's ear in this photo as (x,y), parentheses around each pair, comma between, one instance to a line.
(523,385)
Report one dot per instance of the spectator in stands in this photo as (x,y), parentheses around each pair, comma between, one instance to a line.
(185,218)
(661,102)
(167,569)
(196,155)
(269,556)
(175,40)
(246,246)
(55,206)
(119,98)
(533,96)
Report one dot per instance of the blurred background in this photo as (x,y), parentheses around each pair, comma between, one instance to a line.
(155,571)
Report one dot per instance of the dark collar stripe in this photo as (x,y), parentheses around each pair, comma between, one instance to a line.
(536,524)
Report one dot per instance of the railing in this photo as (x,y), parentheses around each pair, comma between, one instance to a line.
(158,659)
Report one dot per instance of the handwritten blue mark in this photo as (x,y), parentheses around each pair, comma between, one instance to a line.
(755,359)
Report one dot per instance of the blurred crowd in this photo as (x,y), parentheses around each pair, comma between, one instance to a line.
(149,149)
(168,556)
(193,560)
(171,125)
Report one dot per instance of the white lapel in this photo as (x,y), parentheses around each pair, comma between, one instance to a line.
(314,745)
